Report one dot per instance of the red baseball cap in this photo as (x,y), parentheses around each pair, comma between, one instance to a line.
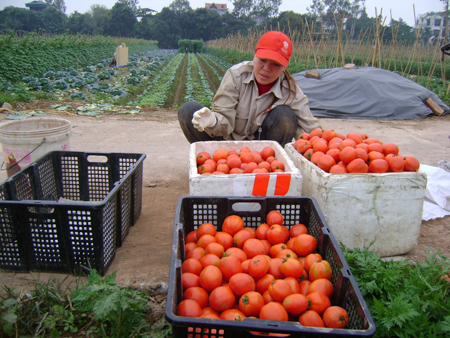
(275,46)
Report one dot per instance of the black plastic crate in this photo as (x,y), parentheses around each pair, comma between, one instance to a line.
(191,212)
(69,211)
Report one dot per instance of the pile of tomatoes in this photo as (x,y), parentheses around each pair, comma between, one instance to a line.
(271,272)
(244,161)
(352,153)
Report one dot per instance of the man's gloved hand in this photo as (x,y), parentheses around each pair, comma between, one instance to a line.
(203,118)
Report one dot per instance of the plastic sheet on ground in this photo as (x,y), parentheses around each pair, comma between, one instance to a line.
(437,193)
(366,93)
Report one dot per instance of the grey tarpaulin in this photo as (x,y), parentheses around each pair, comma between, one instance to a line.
(366,93)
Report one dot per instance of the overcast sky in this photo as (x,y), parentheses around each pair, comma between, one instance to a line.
(399,8)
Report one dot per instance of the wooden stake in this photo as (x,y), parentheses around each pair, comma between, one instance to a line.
(437,110)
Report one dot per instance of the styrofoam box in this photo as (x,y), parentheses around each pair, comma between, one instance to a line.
(363,208)
(288,183)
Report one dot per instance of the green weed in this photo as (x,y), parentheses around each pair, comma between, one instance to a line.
(404,299)
(98,307)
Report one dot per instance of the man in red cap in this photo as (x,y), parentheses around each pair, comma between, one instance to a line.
(256,100)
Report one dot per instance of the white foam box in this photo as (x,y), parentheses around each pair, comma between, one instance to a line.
(288,183)
(385,209)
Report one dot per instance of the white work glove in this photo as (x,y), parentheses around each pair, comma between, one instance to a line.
(203,118)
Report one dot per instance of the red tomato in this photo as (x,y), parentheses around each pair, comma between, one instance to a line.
(291,268)
(232,224)
(335,317)
(262,284)
(295,304)
(236,252)
(280,289)
(322,285)
(241,283)
(232,314)
(206,228)
(251,303)
(298,229)
(318,302)
(261,231)
(275,268)
(304,287)
(221,299)
(274,217)
(310,259)
(189,280)
(287,253)
(304,244)
(209,259)
(229,266)
(198,294)
(320,269)
(225,239)
(274,311)
(189,308)
(191,237)
(241,237)
(253,247)
(192,265)
(311,318)
(293,282)
(258,266)
(276,248)
(210,278)
(277,234)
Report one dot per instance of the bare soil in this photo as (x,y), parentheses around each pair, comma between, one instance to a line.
(143,260)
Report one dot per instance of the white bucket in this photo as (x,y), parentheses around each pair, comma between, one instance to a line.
(25,141)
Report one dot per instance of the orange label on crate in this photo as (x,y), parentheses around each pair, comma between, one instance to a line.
(260,185)
(282,185)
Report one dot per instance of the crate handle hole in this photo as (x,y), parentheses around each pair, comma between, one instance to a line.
(97,158)
(247,206)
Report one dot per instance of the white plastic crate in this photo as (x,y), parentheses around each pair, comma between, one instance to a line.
(288,183)
(362,208)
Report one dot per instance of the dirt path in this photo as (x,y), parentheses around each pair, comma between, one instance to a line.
(213,81)
(178,98)
(144,258)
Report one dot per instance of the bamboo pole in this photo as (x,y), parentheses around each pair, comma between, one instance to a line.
(322,41)
(312,44)
(377,39)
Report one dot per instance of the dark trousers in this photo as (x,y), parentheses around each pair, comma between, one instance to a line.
(279,125)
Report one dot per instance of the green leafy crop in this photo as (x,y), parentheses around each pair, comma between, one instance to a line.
(115,311)
(99,308)
(38,55)
(405,299)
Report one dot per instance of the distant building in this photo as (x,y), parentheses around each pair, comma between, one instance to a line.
(38,6)
(219,8)
(434,21)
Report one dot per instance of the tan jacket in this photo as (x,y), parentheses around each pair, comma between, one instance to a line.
(240,110)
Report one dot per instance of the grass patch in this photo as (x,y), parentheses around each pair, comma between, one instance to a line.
(95,308)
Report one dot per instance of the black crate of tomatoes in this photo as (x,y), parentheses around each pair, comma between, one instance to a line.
(245,267)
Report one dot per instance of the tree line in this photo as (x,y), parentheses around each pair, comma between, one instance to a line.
(180,21)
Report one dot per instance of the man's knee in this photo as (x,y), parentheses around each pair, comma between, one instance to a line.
(284,114)
(189,108)
(282,117)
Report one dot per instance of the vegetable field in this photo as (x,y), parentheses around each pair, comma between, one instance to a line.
(405,300)
(157,78)
(34,54)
